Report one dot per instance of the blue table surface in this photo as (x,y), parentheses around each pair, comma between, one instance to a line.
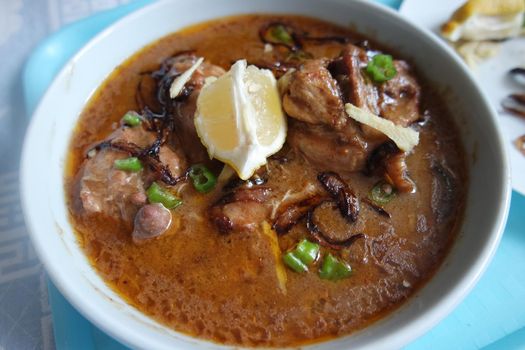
(491,317)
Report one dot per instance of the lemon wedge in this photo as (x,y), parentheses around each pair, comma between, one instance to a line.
(485,20)
(239,118)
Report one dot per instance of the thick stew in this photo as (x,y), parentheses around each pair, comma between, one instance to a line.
(334,232)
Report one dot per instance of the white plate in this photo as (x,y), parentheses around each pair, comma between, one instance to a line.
(491,75)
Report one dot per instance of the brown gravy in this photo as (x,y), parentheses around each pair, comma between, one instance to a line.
(224,287)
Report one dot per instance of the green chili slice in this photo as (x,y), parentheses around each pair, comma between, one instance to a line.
(381,68)
(307,251)
(131,119)
(277,33)
(157,194)
(203,179)
(333,269)
(382,193)
(294,262)
(304,254)
(132,164)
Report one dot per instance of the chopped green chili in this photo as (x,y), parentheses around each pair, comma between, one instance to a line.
(307,251)
(132,164)
(157,194)
(382,193)
(303,255)
(278,34)
(203,179)
(131,119)
(381,68)
(294,262)
(333,269)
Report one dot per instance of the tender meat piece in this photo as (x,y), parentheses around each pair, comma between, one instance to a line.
(175,163)
(399,96)
(376,161)
(115,193)
(151,221)
(355,85)
(241,210)
(311,95)
(388,161)
(183,62)
(185,110)
(103,189)
(330,140)
(343,151)
(396,99)
(144,139)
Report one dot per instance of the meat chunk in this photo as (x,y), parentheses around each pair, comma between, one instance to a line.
(399,96)
(185,61)
(115,193)
(103,189)
(355,85)
(241,210)
(313,96)
(138,136)
(151,221)
(185,110)
(387,160)
(341,151)
(396,99)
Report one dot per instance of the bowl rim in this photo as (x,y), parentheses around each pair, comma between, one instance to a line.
(432,317)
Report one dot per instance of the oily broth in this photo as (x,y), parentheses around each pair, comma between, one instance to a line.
(224,287)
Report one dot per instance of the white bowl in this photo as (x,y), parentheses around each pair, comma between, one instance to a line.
(48,136)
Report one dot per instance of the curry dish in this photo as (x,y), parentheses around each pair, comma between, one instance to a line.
(334,232)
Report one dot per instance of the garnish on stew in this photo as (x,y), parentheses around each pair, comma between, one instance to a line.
(381,68)
(158,194)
